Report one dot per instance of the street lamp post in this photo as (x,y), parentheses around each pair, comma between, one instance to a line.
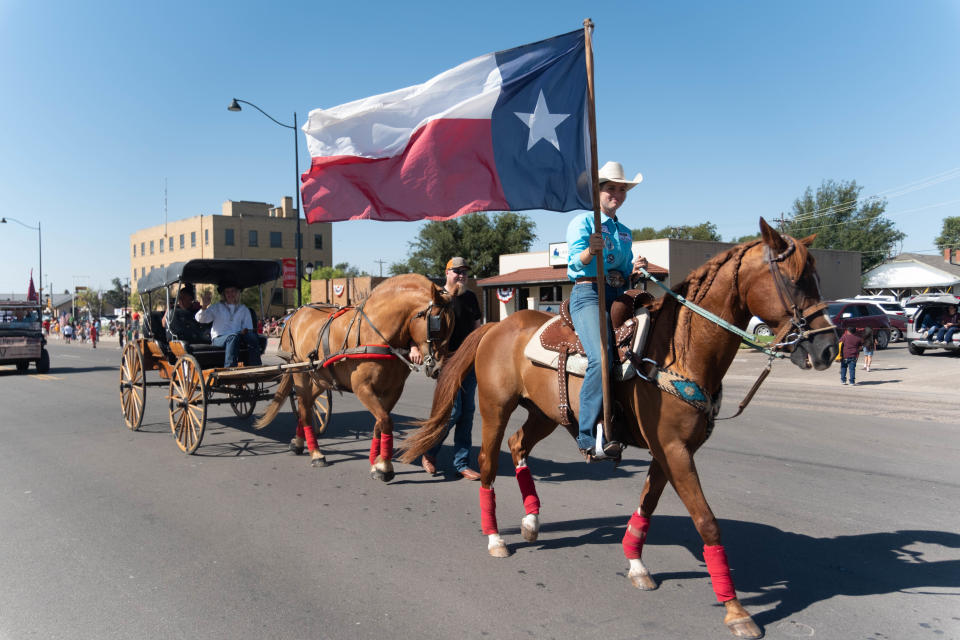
(39,251)
(235,106)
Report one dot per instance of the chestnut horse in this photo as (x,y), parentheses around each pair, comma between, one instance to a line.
(773,277)
(400,311)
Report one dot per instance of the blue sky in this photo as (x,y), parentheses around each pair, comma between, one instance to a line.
(730,110)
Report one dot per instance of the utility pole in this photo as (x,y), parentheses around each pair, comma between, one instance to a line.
(381,263)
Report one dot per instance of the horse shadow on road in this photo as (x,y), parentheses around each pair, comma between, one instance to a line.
(784,570)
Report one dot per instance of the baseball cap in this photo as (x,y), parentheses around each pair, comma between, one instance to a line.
(457,263)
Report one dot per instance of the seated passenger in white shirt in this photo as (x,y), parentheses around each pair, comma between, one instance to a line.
(232,324)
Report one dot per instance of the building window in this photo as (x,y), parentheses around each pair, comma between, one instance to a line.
(206,236)
(193,238)
(171,243)
(276,239)
(134,249)
(151,247)
(252,241)
(182,245)
(551,294)
(161,245)
(318,241)
(228,237)
(319,263)
(142,249)
(143,271)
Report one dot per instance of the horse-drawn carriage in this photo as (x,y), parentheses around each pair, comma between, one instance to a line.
(194,370)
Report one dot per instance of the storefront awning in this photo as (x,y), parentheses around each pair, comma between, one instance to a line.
(546,275)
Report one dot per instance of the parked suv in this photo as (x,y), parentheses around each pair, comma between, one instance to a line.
(929,306)
(860,315)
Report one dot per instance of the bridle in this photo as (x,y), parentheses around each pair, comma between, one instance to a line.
(789,291)
(434,332)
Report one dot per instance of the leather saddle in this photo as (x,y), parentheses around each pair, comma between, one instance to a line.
(557,346)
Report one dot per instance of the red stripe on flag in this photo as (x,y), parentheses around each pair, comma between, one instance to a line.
(447,170)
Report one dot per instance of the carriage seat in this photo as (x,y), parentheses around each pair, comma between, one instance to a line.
(556,338)
(210,356)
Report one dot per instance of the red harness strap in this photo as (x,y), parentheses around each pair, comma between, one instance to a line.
(716,559)
(488,511)
(531,501)
(374,450)
(635,535)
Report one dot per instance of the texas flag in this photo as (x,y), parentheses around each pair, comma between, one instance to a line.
(505,131)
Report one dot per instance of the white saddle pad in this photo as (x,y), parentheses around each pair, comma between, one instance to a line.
(576,363)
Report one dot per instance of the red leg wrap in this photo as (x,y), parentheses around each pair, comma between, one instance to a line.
(488,511)
(299,430)
(310,438)
(716,559)
(386,446)
(531,501)
(374,450)
(635,535)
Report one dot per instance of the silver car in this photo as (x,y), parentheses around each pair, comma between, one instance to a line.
(928,306)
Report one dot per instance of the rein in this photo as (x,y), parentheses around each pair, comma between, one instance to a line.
(784,338)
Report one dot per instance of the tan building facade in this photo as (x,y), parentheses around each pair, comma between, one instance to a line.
(243,230)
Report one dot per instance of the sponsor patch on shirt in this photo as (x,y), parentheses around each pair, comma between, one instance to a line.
(625,237)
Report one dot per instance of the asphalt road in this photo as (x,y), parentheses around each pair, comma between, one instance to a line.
(839,509)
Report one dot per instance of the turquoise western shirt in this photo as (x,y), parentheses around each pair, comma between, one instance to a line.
(617,246)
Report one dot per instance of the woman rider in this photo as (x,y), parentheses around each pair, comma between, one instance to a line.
(615,243)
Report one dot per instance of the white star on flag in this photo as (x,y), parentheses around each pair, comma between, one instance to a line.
(542,123)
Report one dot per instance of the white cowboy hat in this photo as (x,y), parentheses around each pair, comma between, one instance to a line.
(613,172)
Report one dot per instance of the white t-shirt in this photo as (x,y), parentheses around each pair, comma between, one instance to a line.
(226,318)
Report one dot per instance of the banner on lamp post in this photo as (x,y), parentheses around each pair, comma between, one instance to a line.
(289,273)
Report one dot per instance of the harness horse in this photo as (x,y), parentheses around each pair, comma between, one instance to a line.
(773,277)
(374,338)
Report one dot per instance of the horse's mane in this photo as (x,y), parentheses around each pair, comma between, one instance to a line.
(698,283)
(407,282)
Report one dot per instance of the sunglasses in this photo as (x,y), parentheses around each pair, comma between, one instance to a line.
(461,271)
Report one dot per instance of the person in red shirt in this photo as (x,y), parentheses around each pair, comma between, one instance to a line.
(850,345)
(94,334)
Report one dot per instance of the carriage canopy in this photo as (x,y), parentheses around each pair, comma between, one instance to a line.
(243,273)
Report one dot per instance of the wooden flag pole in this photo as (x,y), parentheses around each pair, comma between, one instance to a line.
(597,222)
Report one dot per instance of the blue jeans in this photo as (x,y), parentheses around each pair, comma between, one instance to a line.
(584,305)
(230,342)
(851,364)
(945,334)
(462,416)
(932,330)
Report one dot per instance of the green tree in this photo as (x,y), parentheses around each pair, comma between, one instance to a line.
(746,238)
(702,231)
(949,234)
(842,220)
(477,237)
(115,297)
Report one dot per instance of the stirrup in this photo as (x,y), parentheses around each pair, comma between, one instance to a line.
(606,450)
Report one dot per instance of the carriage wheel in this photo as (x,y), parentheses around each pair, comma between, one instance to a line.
(188,404)
(133,386)
(322,407)
(246,399)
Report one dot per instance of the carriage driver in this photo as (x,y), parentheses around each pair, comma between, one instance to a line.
(232,323)
(615,246)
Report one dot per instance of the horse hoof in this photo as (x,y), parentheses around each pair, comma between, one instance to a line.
(499,551)
(530,527)
(383,476)
(296,448)
(643,581)
(744,628)
(319,462)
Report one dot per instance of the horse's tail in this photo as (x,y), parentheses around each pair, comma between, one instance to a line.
(286,382)
(454,370)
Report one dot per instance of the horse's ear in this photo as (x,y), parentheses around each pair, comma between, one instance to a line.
(771,237)
(808,241)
